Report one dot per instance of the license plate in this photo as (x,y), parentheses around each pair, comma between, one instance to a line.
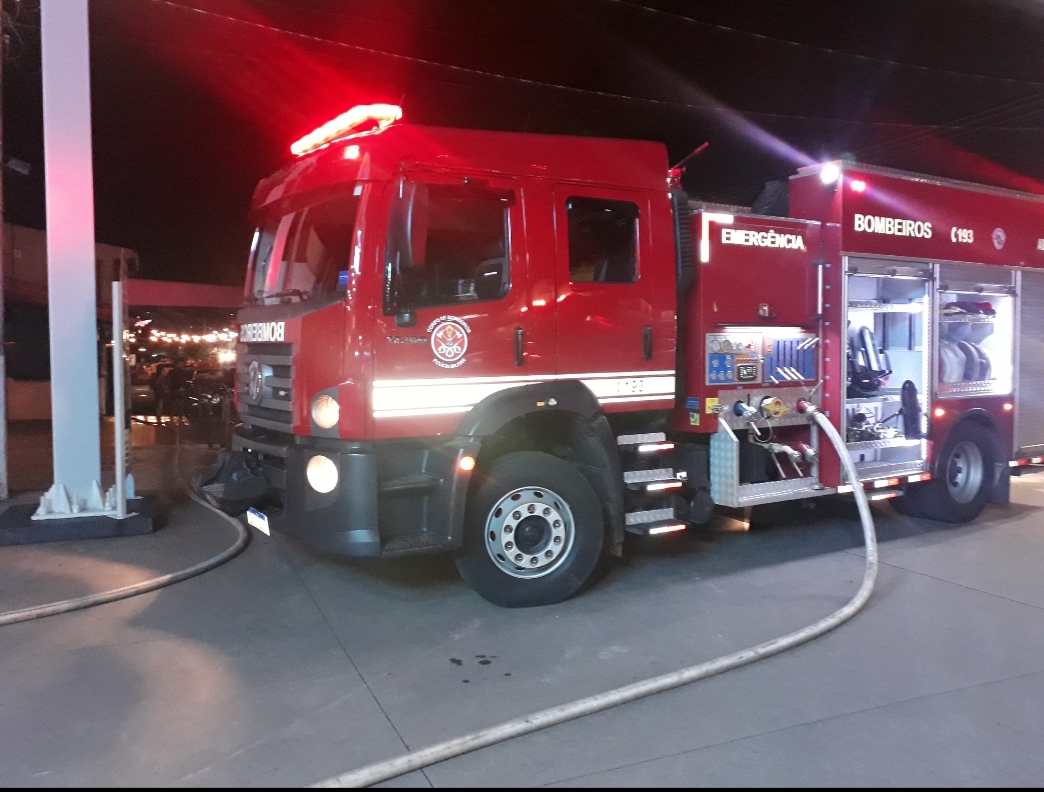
(258,520)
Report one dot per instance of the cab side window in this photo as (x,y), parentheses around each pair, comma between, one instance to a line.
(463,251)
(603,240)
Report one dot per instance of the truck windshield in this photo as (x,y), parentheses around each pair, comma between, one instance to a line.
(304,255)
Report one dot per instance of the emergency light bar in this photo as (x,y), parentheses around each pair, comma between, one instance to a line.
(383,115)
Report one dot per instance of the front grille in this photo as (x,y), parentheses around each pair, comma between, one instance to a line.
(272,407)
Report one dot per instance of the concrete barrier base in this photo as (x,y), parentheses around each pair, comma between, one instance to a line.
(17,526)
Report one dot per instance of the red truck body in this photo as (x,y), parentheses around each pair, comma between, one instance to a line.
(430,302)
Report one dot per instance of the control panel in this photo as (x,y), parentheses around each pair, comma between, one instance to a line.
(734,358)
(769,356)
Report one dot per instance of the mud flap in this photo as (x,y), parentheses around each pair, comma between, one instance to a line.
(1001,492)
(233,484)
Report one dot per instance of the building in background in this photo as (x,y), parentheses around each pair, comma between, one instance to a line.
(26,338)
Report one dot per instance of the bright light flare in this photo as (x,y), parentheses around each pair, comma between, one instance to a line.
(662,529)
(858,185)
(384,115)
(659,486)
(649,448)
(829,173)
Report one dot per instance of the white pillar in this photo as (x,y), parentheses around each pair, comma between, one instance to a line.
(118,393)
(69,184)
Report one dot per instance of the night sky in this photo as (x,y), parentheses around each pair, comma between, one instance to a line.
(195,100)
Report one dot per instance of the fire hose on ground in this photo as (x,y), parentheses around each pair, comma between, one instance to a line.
(383,771)
(415,760)
(134,589)
(145,586)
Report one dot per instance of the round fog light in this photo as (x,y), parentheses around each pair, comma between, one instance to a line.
(321,473)
(325,411)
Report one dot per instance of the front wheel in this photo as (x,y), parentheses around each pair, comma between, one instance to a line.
(533,531)
(963,480)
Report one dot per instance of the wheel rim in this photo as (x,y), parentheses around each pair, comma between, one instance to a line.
(529,532)
(964,472)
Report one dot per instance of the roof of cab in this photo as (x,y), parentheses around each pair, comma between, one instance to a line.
(635,164)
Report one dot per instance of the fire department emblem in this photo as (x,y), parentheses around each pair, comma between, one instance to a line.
(999,238)
(255,381)
(449,341)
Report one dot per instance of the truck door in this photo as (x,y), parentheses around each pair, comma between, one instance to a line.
(451,330)
(616,294)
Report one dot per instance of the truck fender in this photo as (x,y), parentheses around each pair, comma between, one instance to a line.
(592,443)
(1001,492)
(497,410)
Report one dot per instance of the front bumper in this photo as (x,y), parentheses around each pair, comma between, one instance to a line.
(391,497)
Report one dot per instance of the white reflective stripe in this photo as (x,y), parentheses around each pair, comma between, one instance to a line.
(419,411)
(521,378)
(625,387)
(448,393)
(624,399)
(392,398)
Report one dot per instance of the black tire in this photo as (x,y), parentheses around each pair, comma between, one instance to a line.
(963,479)
(572,547)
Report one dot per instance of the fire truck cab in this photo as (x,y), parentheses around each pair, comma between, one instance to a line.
(523,347)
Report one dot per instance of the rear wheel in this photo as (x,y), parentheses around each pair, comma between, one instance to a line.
(533,531)
(963,479)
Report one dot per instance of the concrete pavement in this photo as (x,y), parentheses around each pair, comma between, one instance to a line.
(287,666)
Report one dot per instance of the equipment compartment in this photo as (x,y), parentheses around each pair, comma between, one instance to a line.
(887,366)
(976,310)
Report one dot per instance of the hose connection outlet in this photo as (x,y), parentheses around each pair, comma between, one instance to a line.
(745,411)
(804,406)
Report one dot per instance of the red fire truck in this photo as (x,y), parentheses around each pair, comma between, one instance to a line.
(523,347)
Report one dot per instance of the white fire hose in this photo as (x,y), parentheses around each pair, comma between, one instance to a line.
(382,771)
(133,590)
(145,586)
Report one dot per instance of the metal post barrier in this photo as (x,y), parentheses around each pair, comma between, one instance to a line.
(118,394)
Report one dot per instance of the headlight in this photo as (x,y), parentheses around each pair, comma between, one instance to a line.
(325,411)
(322,474)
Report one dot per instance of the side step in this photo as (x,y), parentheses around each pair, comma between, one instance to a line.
(638,439)
(655,480)
(407,486)
(648,516)
(648,443)
(657,528)
(413,543)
